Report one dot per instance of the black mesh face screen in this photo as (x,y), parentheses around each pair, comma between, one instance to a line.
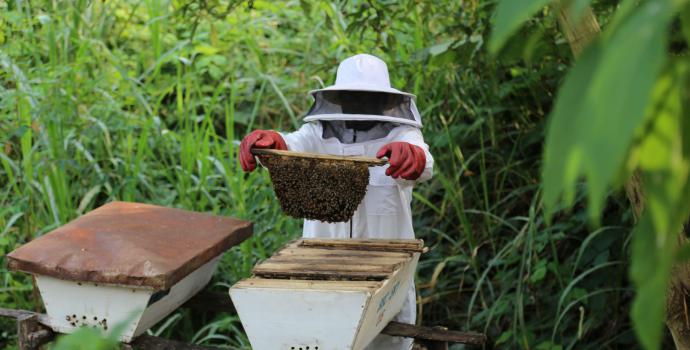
(360,125)
(362,102)
(358,102)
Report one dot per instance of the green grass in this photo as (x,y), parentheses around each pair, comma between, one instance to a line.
(147,101)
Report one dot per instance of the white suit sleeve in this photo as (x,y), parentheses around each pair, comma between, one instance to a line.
(414,136)
(301,140)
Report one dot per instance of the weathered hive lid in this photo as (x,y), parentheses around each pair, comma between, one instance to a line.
(130,244)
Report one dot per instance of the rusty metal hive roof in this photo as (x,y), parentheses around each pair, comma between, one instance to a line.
(130,244)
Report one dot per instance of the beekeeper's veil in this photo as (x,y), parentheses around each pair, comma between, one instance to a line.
(362,91)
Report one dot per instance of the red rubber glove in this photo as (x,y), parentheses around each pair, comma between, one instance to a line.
(259,139)
(405,160)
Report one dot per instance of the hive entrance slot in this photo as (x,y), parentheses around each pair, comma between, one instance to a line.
(85,321)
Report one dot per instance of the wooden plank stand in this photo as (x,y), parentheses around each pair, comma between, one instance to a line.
(38,333)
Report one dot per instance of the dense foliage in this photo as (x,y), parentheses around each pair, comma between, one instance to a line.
(621,109)
(146,100)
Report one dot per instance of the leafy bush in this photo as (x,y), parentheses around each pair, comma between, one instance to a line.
(621,109)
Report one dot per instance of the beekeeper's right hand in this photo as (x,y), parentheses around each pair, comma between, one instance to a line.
(258,139)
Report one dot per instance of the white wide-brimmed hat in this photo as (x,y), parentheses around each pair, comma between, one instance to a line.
(364,73)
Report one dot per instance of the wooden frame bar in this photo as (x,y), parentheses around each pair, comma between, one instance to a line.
(275,152)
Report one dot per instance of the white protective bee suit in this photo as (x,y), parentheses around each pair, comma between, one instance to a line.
(385,211)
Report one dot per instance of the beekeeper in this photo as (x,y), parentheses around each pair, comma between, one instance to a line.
(362,115)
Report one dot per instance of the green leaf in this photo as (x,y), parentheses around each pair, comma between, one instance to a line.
(650,270)
(601,105)
(563,147)
(504,337)
(539,272)
(510,14)
(548,345)
(216,73)
(85,339)
(665,166)
(661,152)
(206,50)
(438,49)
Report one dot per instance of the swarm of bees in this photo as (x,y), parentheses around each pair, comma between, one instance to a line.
(317,189)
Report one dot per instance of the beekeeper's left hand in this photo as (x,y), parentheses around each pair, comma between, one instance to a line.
(405,160)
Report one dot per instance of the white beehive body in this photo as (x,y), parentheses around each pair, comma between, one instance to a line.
(322,314)
(71,305)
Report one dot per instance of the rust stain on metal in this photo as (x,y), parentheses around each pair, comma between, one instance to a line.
(130,244)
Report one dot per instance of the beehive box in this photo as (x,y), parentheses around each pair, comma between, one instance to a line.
(125,263)
(318,186)
(325,294)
